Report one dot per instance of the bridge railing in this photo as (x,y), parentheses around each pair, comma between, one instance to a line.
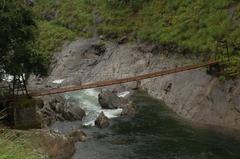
(114,81)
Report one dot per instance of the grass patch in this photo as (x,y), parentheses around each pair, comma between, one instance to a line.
(15,147)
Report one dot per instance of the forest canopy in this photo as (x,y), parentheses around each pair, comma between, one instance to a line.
(17,36)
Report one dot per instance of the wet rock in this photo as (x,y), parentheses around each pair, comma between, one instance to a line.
(78,136)
(57,108)
(57,103)
(109,100)
(57,146)
(129,109)
(73,113)
(102,121)
(76,113)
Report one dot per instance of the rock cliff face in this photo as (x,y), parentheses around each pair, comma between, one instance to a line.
(193,95)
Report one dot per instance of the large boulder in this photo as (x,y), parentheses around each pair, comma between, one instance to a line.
(57,146)
(129,109)
(109,100)
(57,108)
(78,136)
(57,103)
(102,121)
(73,112)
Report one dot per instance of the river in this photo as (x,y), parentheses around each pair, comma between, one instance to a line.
(154,133)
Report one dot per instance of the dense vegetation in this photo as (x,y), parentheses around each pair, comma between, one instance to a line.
(18,53)
(191,26)
(14,147)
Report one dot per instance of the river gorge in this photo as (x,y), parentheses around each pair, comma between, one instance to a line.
(198,118)
(154,132)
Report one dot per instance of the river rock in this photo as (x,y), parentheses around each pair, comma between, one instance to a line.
(129,109)
(102,121)
(57,103)
(57,108)
(73,112)
(57,146)
(78,136)
(109,100)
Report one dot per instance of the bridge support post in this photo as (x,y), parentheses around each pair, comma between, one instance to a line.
(22,113)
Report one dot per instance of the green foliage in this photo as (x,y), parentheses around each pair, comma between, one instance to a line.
(17,34)
(50,37)
(74,15)
(222,78)
(115,23)
(192,26)
(231,67)
(135,5)
(195,25)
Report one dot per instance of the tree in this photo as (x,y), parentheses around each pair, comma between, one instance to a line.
(17,35)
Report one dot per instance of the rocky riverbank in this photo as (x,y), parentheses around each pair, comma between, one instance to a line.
(193,95)
(50,142)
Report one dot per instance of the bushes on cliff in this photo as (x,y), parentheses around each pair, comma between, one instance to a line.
(50,38)
(193,26)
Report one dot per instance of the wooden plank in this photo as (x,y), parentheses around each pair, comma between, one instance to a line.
(123,80)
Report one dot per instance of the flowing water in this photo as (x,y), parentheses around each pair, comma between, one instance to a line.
(154,133)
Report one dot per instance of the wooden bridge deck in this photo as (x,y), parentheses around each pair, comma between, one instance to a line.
(122,80)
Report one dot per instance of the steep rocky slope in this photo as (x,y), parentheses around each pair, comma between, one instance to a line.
(193,95)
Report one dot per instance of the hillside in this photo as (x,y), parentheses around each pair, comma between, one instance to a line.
(182,26)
